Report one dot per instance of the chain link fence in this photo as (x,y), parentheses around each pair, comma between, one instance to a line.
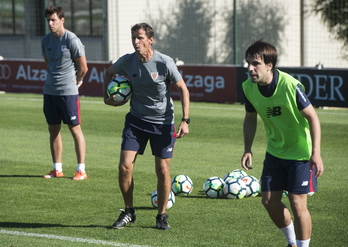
(194,31)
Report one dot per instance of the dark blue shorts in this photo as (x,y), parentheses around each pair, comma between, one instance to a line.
(297,177)
(62,108)
(137,133)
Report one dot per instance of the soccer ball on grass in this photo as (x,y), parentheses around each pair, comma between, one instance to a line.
(120,88)
(182,185)
(154,199)
(234,188)
(235,174)
(213,187)
(253,187)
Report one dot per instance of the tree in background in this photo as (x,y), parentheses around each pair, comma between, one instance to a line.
(256,20)
(187,25)
(335,14)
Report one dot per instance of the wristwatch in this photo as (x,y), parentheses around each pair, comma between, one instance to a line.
(187,120)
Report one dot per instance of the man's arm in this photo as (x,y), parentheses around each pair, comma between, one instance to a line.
(109,74)
(46,60)
(185,104)
(315,130)
(81,67)
(249,130)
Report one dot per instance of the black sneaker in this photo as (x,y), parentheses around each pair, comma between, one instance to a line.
(124,219)
(161,222)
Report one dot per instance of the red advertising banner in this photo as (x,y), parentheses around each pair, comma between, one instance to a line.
(209,83)
(205,83)
(29,77)
(93,81)
(222,84)
(22,76)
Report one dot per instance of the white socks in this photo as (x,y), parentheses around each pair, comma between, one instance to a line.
(58,167)
(303,243)
(81,167)
(289,233)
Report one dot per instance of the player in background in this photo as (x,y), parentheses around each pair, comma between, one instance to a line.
(151,118)
(293,160)
(64,55)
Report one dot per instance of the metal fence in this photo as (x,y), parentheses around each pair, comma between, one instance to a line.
(195,31)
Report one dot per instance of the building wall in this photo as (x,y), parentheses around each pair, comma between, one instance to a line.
(276,21)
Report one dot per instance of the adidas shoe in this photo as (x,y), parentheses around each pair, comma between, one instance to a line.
(54,174)
(79,175)
(161,222)
(124,219)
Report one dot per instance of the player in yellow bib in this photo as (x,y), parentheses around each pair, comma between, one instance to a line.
(293,160)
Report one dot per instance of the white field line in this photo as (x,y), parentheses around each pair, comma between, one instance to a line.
(70,239)
(325,112)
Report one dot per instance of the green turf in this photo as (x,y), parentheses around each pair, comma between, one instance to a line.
(77,211)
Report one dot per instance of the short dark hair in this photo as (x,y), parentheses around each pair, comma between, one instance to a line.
(50,10)
(150,33)
(264,50)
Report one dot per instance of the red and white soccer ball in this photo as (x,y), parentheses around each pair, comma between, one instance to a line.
(253,187)
(154,199)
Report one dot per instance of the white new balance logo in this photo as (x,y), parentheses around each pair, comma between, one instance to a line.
(169,149)
(304,183)
(73,118)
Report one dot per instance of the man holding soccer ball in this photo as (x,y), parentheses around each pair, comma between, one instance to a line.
(151,118)
(293,160)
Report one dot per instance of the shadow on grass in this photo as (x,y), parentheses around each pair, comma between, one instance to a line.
(145,208)
(41,225)
(44,225)
(17,225)
(20,176)
(33,176)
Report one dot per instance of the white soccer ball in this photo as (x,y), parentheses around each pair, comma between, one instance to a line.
(253,187)
(213,187)
(182,185)
(154,200)
(234,188)
(121,88)
(238,173)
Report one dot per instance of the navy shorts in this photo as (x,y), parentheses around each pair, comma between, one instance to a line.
(295,176)
(137,133)
(62,108)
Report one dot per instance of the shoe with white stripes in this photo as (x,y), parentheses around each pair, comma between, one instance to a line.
(124,219)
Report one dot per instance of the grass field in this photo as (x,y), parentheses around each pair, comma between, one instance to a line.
(62,212)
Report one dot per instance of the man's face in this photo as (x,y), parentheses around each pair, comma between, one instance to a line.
(259,72)
(141,42)
(54,23)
